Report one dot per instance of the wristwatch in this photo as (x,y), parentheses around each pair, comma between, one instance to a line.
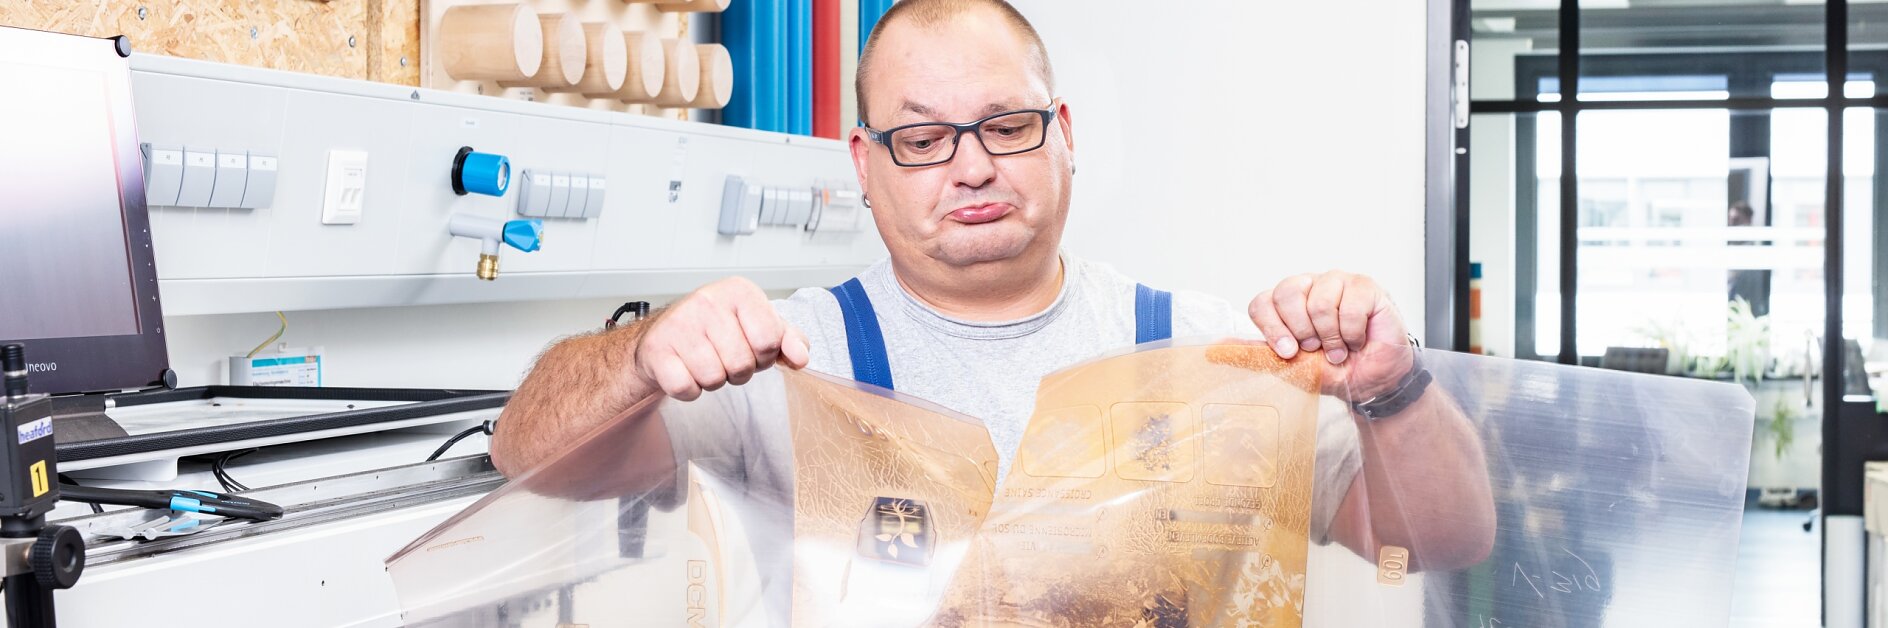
(1406,392)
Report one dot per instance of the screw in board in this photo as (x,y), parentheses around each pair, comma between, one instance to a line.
(403,62)
(141,13)
(253,32)
(350,41)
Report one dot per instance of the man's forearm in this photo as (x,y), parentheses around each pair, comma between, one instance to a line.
(576,384)
(1427,484)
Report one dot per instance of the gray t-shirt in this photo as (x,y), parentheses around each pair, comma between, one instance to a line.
(983,370)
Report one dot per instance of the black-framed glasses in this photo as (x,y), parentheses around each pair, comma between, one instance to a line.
(933,143)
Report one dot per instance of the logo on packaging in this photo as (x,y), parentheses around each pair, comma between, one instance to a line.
(896,530)
(697,593)
(35,430)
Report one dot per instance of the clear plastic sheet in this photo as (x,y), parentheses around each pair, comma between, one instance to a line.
(1173,485)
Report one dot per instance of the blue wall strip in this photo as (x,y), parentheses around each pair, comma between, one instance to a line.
(800,67)
(771,64)
(869,12)
(738,35)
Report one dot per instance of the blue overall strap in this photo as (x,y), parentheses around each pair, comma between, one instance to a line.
(1153,314)
(863,339)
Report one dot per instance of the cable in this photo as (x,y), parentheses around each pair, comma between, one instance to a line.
(485,427)
(65,479)
(220,468)
(278,336)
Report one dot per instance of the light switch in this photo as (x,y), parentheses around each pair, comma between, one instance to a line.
(199,178)
(593,203)
(163,175)
(560,194)
(346,191)
(259,190)
(232,172)
(534,190)
(579,196)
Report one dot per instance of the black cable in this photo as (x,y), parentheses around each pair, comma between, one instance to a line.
(485,428)
(220,468)
(66,479)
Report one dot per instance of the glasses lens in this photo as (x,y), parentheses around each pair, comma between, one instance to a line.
(1013,133)
(924,144)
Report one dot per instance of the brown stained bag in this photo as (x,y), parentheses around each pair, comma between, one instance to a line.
(888,496)
(1165,487)
(683,527)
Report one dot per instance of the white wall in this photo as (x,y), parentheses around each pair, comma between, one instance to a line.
(1214,154)
(1224,147)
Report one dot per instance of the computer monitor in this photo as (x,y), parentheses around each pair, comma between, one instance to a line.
(78,285)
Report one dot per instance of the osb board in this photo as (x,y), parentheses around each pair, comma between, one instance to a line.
(637,16)
(298,35)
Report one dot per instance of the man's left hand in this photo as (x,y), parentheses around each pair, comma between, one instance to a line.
(1348,317)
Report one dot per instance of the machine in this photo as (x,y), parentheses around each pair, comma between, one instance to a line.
(140,187)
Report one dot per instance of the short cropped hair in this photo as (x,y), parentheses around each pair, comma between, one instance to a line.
(930,12)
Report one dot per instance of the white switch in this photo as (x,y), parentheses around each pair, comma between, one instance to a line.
(534,193)
(579,196)
(199,178)
(771,202)
(740,207)
(163,175)
(259,190)
(799,207)
(838,210)
(232,171)
(560,194)
(346,191)
(593,204)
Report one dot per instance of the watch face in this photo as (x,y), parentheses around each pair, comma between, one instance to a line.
(896,530)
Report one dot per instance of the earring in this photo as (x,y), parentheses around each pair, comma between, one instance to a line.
(867,200)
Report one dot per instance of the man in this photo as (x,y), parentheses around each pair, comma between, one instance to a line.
(977,302)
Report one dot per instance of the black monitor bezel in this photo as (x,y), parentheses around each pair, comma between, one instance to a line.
(101,363)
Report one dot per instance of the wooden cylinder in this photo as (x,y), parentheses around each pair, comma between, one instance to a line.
(646,68)
(563,60)
(717,77)
(696,6)
(681,74)
(606,60)
(493,42)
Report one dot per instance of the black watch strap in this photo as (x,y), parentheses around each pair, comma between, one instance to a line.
(1407,391)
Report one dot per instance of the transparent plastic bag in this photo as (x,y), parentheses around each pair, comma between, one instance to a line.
(1173,485)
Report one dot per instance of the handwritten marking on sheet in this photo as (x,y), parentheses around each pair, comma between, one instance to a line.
(1556,581)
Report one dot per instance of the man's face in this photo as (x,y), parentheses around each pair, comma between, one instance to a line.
(976,208)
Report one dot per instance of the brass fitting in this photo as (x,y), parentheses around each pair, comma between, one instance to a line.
(488,267)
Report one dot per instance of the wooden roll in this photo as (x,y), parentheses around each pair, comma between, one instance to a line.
(563,60)
(646,68)
(606,60)
(717,77)
(696,6)
(681,74)
(492,42)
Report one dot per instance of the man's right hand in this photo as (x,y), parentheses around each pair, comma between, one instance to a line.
(722,333)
